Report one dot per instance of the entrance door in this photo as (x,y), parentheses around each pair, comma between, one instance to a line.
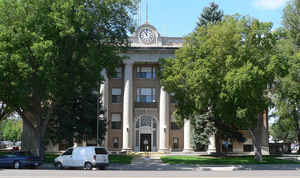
(145,142)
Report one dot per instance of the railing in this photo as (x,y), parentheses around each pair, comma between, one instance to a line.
(146,105)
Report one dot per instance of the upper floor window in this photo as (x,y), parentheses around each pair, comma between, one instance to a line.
(174,125)
(146,72)
(116,95)
(145,95)
(118,73)
(116,121)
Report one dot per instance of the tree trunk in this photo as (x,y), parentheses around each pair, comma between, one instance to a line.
(257,145)
(296,120)
(34,129)
(218,141)
(32,140)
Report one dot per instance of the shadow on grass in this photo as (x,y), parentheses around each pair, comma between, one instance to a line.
(209,160)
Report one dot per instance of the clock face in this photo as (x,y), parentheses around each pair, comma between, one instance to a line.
(146,35)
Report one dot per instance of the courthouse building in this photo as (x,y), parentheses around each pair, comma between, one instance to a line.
(139,110)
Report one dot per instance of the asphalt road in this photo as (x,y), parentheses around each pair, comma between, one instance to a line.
(11,173)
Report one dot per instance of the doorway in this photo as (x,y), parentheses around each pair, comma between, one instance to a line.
(145,142)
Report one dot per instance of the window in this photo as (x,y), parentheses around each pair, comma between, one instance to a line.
(116,95)
(116,121)
(116,142)
(145,95)
(118,73)
(175,142)
(174,125)
(248,148)
(100,151)
(145,72)
(227,146)
(68,152)
(137,138)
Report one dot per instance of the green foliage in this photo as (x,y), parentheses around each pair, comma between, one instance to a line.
(75,120)
(203,128)
(49,48)
(11,129)
(284,130)
(287,88)
(50,157)
(210,16)
(225,68)
(120,159)
(291,21)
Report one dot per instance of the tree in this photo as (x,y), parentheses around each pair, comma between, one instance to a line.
(11,129)
(225,69)
(283,130)
(287,86)
(75,120)
(291,21)
(210,16)
(49,48)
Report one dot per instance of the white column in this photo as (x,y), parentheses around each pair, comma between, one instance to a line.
(212,145)
(104,93)
(187,147)
(127,108)
(163,121)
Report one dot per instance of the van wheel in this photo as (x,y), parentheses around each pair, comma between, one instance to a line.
(88,166)
(58,165)
(17,165)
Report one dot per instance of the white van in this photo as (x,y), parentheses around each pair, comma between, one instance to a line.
(86,157)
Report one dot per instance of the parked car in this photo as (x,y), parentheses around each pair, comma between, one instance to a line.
(19,160)
(85,157)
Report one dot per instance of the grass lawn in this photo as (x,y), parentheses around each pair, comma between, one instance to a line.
(223,160)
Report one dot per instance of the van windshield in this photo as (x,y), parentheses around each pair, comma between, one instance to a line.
(100,151)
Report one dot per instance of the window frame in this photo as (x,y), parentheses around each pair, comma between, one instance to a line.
(139,72)
(119,122)
(139,96)
(119,101)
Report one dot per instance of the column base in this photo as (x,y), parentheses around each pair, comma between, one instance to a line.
(188,150)
(211,151)
(164,150)
(127,150)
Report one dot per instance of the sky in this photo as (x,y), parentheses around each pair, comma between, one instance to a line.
(176,18)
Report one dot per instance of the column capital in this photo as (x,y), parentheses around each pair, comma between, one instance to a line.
(128,62)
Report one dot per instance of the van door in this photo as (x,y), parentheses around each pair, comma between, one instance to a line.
(101,155)
(67,158)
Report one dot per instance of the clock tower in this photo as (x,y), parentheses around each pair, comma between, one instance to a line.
(147,35)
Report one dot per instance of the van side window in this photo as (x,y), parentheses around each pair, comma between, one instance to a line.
(100,151)
(68,152)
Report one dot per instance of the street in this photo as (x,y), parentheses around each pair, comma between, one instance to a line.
(5,173)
